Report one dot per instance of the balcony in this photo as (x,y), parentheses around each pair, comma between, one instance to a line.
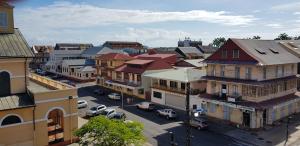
(166,88)
(127,82)
(48,83)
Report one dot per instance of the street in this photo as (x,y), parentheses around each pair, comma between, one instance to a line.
(156,128)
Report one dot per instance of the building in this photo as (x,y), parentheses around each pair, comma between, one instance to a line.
(189,52)
(251,83)
(191,63)
(42,56)
(59,64)
(128,47)
(93,52)
(207,50)
(166,50)
(81,70)
(168,58)
(34,110)
(129,77)
(107,63)
(169,87)
(187,42)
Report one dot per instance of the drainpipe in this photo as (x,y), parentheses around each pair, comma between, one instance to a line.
(33,120)
(25,69)
(70,110)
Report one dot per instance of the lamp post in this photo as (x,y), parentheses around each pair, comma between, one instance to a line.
(188,125)
(287,129)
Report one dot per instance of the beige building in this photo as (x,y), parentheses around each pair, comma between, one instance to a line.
(168,87)
(33,110)
(251,83)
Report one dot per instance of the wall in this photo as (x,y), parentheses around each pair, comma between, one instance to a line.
(10,28)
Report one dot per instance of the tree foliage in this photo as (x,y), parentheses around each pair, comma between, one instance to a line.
(218,42)
(100,131)
(283,36)
(257,37)
(297,38)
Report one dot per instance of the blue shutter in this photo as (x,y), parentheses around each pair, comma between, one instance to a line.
(3,19)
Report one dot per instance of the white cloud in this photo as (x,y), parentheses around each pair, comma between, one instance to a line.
(295,6)
(71,15)
(296,13)
(274,25)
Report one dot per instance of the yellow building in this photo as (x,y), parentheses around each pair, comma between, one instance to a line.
(34,110)
(251,83)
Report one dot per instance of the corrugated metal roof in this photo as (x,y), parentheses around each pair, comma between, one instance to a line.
(190,50)
(87,69)
(195,62)
(267,52)
(15,101)
(181,75)
(78,62)
(99,50)
(139,61)
(14,45)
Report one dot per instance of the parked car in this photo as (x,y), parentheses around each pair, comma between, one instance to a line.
(99,92)
(168,113)
(118,116)
(40,72)
(145,106)
(114,96)
(82,104)
(96,110)
(108,112)
(199,123)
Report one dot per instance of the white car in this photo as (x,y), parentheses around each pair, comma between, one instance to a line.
(108,112)
(96,110)
(145,106)
(82,104)
(199,123)
(114,96)
(168,113)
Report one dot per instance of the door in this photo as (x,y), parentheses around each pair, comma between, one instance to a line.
(246,119)
(175,101)
(223,91)
(226,112)
(265,117)
(5,83)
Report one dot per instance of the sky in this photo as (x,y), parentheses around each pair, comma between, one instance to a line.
(154,23)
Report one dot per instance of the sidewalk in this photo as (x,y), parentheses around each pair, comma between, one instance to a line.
(270,136)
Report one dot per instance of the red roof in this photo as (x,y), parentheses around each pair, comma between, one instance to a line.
(152,65)
(139,61)
(162,56)
(115,56)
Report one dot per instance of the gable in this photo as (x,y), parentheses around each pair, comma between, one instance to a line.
(230,46)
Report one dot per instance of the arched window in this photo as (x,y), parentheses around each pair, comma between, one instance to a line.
(11,120)
(5,83)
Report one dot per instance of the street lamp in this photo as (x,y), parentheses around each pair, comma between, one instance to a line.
(188,124)
(287,129)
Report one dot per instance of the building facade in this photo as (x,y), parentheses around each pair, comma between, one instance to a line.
(33,110)
(42,56)
(251,83)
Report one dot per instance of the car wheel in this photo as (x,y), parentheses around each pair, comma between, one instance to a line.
(168,117)
(199,128)
(137,107)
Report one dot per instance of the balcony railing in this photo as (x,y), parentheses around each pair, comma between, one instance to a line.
(167,88)
(127,82)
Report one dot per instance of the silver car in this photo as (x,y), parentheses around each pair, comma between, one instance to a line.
(82,104)
(96,110)
(199,123)
(168,113)
(114,96)
(108,112)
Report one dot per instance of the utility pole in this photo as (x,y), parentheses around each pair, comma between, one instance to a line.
(188,125)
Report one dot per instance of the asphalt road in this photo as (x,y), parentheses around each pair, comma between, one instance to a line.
(156,128)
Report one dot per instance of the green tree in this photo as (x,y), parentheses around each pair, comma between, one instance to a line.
(218,42)
(257,37)
(297,38)
(283,36)
(100,131)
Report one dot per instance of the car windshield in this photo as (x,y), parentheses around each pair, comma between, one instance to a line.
(80,102)
(93,108)
(104,112)
(173,112)
(151,104)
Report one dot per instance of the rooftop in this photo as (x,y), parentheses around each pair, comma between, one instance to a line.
(16,101)
(162,56)
(181,75)
(115,56)
(139,61)
(14,45)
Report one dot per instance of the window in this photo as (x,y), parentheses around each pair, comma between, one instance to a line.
(248,73)
(11,120)
(162,82)
(141,91)
(234,90)
(5,83)
(213,70)
(222,70)
(282,70)
(86,75)
(182,86)
(264,72)
(237,72)
(212,107)
(213,87)
(3,20)
(157,94)
(235,53)
(173,84)
(224,53)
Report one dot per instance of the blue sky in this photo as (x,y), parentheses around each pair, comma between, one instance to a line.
(154,22)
